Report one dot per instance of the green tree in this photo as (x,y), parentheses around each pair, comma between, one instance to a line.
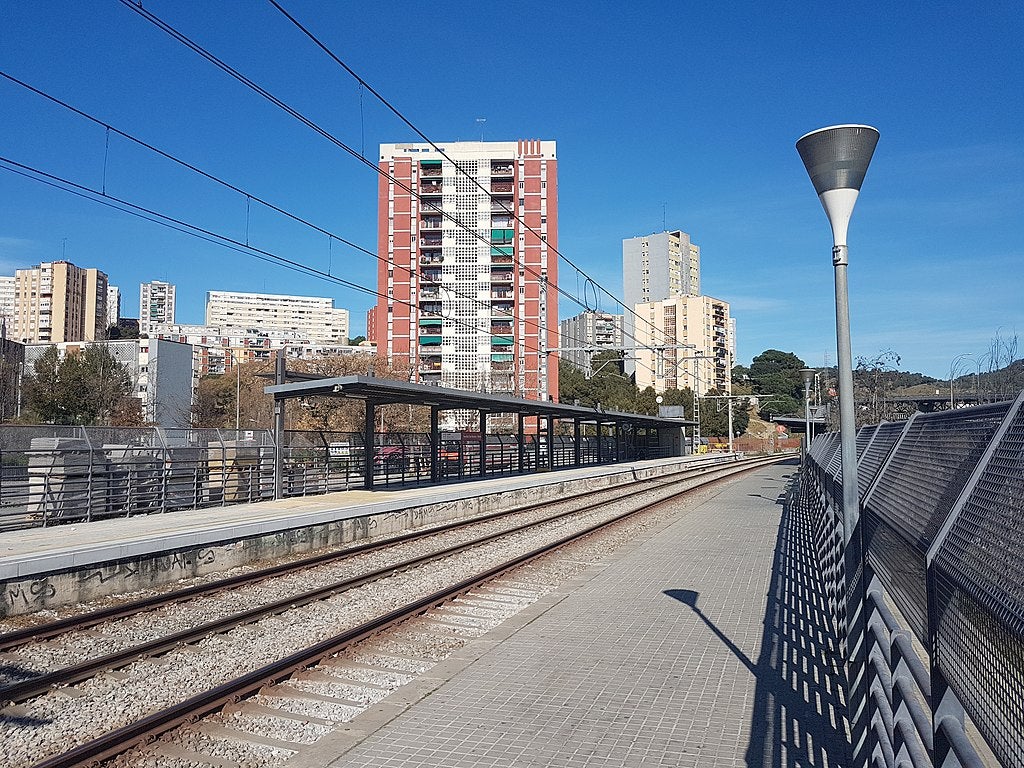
(86,387)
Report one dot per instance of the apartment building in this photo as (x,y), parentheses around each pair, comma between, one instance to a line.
(156,304)
(582,336)
(312,317)
(685,341)
(57,302)
(113,305)
(467,264)
(655,267)
(162,375)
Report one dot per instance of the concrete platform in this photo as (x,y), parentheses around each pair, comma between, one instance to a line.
(704,645)
(57,565)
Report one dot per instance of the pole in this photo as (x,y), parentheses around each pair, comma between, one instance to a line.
(238,389)
(847,427)
(729,402)
(807,417)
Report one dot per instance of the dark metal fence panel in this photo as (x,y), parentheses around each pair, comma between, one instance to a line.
(914,494)
(978,601)
(947,486)
(874,454)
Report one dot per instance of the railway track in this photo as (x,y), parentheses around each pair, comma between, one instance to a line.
(371,597)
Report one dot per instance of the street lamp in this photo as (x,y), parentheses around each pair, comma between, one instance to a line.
(836,159)
(808,376)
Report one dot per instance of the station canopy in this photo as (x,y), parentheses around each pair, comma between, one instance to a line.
(379,391)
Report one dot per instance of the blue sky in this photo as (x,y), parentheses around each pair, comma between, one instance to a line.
(666,114)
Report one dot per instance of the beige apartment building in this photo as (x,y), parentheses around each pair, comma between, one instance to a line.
(57,302)
(685,341)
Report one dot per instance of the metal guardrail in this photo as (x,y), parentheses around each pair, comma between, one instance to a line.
(63,474)
(934,648)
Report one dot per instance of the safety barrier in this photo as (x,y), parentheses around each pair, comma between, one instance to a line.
(928,594)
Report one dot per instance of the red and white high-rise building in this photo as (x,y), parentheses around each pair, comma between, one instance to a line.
(468,265)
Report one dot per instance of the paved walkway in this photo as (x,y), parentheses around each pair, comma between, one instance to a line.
(701,646)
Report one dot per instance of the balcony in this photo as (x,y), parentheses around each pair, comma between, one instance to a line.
(502,365)
(502,205)
(501,308)
(430,170)
(501,275)
(502,254)
(428,294)
(430,310)
(430,367)
(430,188)
(430,275)
(501,221)
(502,236)
(501,329)
(501,168)
(430,341)
(501,293)
(501,187)
(433,257)
(430,222)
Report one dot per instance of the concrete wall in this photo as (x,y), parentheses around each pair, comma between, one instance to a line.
(91,580)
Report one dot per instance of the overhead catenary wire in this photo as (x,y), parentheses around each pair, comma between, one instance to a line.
(459,169)
(249,197)
(209,56)
(242,247)
(185,227)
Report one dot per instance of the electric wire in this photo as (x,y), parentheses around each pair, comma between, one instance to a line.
(394,110)
(209,56)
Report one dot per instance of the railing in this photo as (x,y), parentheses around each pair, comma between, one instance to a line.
(928,595)
(55,475)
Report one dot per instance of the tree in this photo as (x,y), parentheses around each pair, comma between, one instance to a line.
(355,341)
(774,372)
(86,387)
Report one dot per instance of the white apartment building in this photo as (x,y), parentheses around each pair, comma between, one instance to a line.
(655,267)
(156,304)
(312,317)
(7,304)
(468,243)
(582,336)
(113,305)
(686,341)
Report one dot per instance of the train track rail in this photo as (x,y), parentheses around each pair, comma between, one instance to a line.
(123,736)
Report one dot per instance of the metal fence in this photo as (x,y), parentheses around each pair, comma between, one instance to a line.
(932,620)
(63,474)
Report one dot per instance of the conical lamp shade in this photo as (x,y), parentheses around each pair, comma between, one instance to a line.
(836,159)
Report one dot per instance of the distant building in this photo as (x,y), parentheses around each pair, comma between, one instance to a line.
(312,317)
(655,267)
(686,341)
(113,305)
(57,302)
(219,348)
(582,336)
(161,371)
(156,304)
(466,298)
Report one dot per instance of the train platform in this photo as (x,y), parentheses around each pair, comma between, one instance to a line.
(703,645)
(34,552)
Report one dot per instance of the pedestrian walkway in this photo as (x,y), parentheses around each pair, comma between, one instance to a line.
(705,645)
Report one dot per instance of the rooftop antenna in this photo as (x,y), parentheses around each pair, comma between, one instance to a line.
(481,121)
(664,228)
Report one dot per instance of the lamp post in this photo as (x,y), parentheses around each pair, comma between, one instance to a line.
(808,376)
(837,159)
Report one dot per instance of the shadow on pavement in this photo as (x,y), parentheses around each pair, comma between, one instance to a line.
(799,711)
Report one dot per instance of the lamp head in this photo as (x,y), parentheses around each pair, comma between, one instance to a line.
(836,159)
(808,375)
